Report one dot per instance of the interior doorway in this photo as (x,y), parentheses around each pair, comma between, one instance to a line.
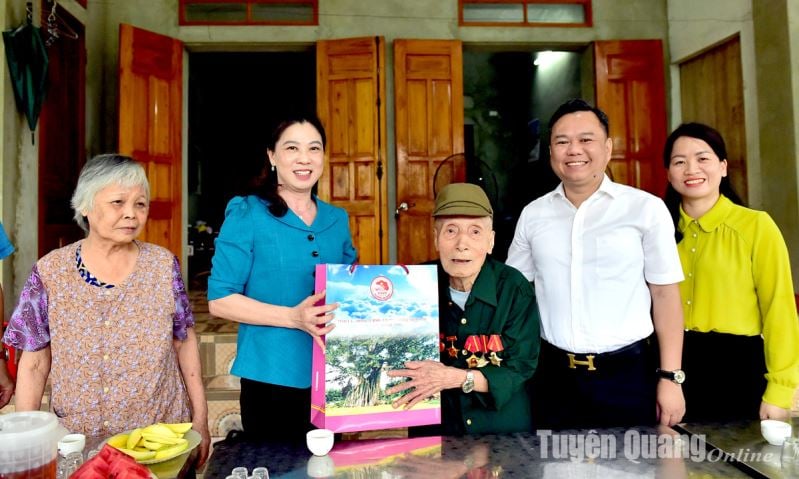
(509,96)
(234,101)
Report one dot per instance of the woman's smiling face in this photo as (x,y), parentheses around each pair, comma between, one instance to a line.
(695,171)
(298,157)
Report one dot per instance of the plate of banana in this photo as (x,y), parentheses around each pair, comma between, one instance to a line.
(157,442)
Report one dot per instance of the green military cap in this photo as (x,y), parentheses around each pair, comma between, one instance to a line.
(462,199)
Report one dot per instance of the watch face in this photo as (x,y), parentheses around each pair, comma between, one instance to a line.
(468,385)
(679,376)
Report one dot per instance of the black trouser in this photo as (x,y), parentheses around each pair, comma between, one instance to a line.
(621,391)
(724,376)
(273,412)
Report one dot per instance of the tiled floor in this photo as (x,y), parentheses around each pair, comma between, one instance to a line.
(205,323)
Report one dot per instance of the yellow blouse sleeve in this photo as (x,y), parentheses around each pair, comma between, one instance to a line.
(774,288)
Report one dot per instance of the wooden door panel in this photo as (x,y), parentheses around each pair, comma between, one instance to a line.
(429,129)
(441,131)
(630,88)
(416,124)
(150,109)
(711,90)
(350,91)
(61,142)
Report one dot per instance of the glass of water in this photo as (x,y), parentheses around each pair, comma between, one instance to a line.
(260,473)
(790,457)
(239,472)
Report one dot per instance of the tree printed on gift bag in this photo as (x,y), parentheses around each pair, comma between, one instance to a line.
(359,366)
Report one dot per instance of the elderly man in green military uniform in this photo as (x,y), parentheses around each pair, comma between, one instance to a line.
(489,326)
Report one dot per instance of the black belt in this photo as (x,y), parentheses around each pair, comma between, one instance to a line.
(596,361)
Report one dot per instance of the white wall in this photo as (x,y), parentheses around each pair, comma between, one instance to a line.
(19,173)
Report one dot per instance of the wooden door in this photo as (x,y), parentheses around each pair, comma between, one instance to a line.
(630,88)
(150,97)
(711,92)
(428,89)
(62,150)
(350,92)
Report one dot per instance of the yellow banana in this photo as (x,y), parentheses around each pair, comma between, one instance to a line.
(159,429)
(171,451)
(153,446)
(163,439)
(120,440)
(139,455)
(179,428)
(133,438)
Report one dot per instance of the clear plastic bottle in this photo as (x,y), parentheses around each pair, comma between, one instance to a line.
(240,472)
(260,473)
(67,465)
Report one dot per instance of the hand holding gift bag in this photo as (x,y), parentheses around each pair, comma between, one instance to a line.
(388,315)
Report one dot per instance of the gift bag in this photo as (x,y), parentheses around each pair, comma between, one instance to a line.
(387,315)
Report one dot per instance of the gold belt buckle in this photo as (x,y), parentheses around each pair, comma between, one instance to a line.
(589,362)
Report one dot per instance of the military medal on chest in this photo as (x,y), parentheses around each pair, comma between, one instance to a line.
(476,344)
(495,346)
(484,349)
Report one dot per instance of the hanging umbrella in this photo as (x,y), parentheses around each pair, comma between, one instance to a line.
(27,64)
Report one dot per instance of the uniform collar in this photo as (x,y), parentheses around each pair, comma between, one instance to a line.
(710,220)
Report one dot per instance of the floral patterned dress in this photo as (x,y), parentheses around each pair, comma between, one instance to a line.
(114,366)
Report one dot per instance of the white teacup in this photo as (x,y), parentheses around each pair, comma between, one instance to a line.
(319,441)
(775,431)
(71,443)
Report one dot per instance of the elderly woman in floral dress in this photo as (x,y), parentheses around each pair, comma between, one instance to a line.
(107,318)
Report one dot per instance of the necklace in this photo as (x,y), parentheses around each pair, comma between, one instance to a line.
(307,213)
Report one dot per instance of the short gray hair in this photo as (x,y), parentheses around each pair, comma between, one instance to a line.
(100,172)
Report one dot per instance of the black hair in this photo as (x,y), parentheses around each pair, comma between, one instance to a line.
(713,138)
(578,104)
(266,185)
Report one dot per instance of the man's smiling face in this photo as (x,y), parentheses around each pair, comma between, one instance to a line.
(579,149)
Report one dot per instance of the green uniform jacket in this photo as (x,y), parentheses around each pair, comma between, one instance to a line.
(502,302)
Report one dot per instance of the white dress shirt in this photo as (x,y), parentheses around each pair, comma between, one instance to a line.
(591,264)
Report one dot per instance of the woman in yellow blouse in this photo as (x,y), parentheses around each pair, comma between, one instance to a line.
(741,349)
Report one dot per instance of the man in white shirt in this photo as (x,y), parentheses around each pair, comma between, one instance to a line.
(601,256)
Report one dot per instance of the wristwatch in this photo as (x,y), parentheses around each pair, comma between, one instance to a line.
(676,376)
(468,384)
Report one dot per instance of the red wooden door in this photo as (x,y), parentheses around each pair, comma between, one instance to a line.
(630,88)
(150,97)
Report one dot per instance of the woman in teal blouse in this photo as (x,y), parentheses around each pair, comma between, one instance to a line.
(262,276)
(741,349)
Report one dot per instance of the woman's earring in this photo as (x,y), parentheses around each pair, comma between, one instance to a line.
(273,167)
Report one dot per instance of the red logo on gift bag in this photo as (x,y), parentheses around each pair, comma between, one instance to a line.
(381,288)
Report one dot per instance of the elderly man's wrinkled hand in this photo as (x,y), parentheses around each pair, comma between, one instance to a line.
(315,320)
(425,379)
